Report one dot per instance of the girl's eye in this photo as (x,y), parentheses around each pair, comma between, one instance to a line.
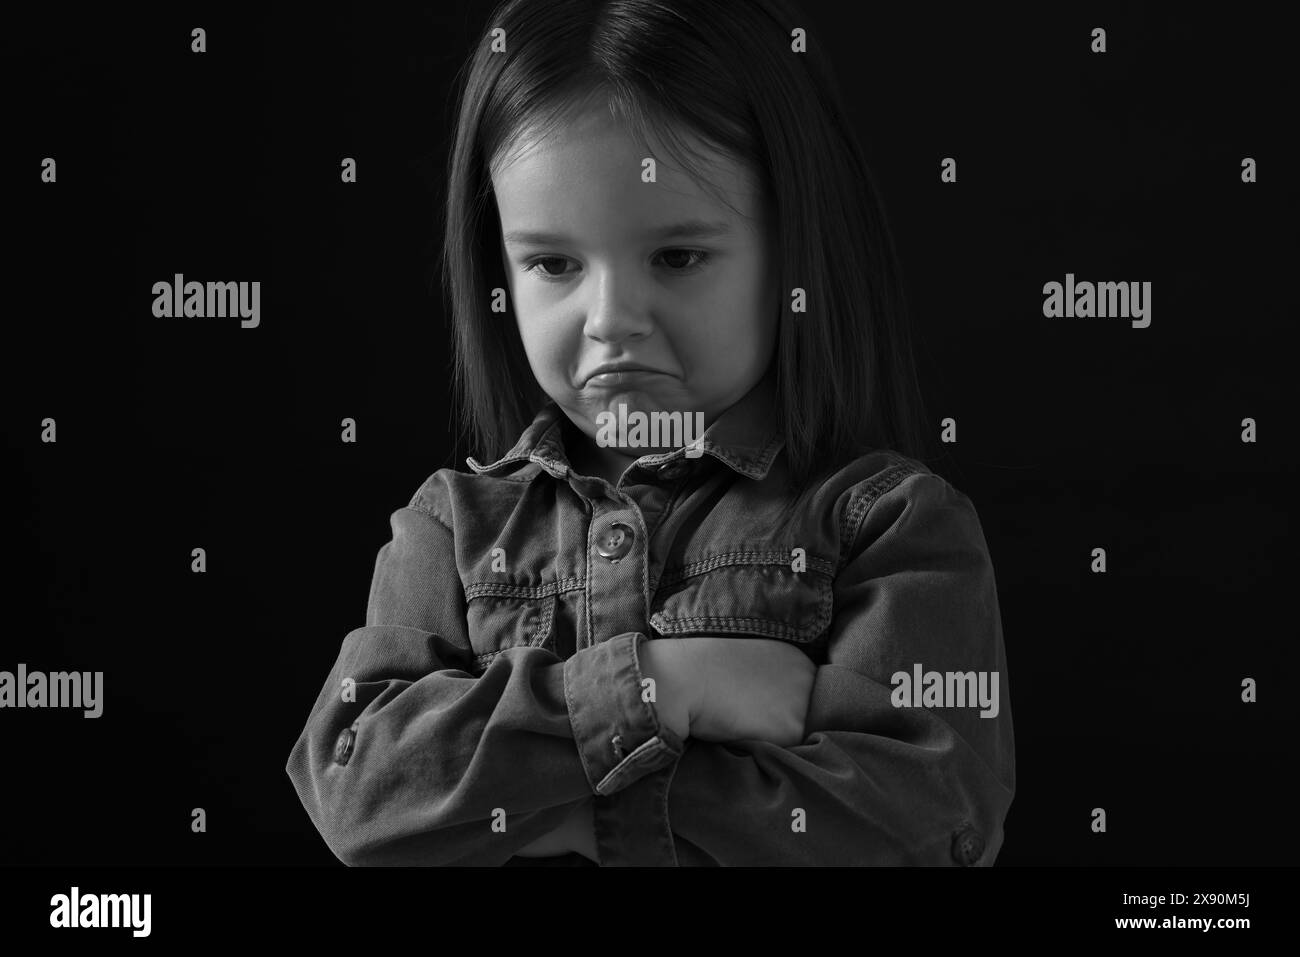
(671,258)
(701,258)
(545,274)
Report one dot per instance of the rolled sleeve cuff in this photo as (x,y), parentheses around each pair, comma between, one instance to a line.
(618,734)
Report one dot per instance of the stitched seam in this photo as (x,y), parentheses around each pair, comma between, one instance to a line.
(670,624)
(751,468)
(679,573)
(870,492)
(730,459)
(672,773)
(415,506)
(586,592)
(647,709)
(489,473)
(536,639)
(755,626)
(487,656)
(643,756)
(507,590)
(543,629)
(644,548)
(580,735)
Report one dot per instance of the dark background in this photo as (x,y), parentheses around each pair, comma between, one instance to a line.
(1074,433)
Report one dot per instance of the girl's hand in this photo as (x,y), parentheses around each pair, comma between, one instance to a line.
(747,688)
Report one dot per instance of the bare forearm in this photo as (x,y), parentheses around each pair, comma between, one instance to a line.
(744,688)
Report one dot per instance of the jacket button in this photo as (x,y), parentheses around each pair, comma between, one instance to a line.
(674,469)
(967,846)
(343,746)
(615,541)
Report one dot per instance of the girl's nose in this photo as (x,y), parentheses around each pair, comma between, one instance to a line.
(619,309)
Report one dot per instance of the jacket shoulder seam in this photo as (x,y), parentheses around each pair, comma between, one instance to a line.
(865,495)
(420,502)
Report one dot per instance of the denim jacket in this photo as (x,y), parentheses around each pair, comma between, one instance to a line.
(496,682)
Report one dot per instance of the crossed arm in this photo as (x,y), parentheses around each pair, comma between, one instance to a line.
(713,689)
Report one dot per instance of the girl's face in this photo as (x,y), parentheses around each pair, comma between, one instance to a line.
(603,267)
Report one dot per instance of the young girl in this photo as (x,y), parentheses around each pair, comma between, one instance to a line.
(775,642)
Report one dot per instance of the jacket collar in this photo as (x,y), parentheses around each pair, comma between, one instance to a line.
(745,438)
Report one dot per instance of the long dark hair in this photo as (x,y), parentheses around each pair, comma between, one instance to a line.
(725,71)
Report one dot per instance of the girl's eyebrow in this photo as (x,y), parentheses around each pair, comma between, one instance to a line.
(689,229)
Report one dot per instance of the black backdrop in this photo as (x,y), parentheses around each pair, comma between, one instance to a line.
(1074,433)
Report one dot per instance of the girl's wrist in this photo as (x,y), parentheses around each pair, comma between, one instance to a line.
(663,660)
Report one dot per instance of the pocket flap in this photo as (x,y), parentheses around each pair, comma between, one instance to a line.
(498,622)
(745,593)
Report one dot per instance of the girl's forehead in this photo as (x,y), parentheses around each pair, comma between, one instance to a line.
(593,160)
(593,138)
(602,202)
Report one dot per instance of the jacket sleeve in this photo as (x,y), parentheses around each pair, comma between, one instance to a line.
(418,761)
(875,783)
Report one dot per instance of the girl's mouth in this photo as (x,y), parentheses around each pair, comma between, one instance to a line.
(621,377)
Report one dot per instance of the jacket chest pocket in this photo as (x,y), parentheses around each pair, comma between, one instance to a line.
(766,594)
(500,617)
